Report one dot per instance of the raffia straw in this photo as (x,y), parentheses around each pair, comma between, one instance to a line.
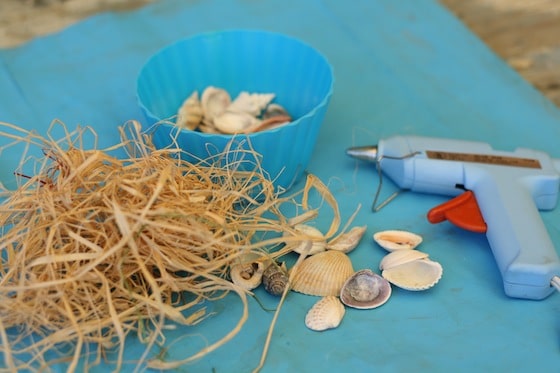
(97,248)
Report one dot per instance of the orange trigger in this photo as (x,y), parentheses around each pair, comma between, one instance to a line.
(462,211)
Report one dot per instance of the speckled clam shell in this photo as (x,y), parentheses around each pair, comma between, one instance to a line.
(318,243)
(414,275)
(399,257)
(392,240)
(326,313)
(365,290)
(322,274)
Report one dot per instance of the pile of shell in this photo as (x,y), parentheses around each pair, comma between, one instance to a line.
(403,266)
(216,112)
(327,272)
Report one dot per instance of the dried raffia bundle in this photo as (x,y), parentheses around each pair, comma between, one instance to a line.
(96,248)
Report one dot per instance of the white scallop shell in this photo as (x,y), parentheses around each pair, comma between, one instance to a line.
(190,113)
(214,102)
(251,103)
(326,313)
(365,290)
(399,257)
(318,240)
(348,241)
(392,240)
(322,274)
(416,275)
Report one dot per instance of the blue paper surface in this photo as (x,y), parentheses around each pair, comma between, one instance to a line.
(406,67)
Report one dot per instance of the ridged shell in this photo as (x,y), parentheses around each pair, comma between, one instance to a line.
(392,240)
(318,239)
(323,274)
(416,275)
(275,279)
(347,241)
(190,113)
(399,257)
(251,103)
(326,313)
(365,289)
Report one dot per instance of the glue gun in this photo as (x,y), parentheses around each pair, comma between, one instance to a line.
(495,192)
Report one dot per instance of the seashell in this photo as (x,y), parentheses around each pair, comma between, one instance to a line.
(415,275)
(214,102)
(190,113)
(365,289)
(399,257)
(326,313)
(274,110)
(318,240)
(235,122)
(348,241)
(275,278)
(247,275)
(272,122)
(410,270)
(322,274)
(251,103)
(392,240)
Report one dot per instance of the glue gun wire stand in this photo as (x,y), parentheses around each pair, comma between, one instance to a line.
(494,192)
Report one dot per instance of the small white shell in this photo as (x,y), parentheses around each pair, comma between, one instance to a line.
(326,313)
(190,113)
(392,240)
(416,275)
(365,290)
(251,103)
(317,238)
(214,102)
(231,122)
(348,241)
(399,257)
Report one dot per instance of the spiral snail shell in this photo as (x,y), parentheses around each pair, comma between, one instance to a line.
(275,278)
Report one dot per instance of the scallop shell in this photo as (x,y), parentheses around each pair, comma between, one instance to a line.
(416,275)
(190,113)
(365,289)
(275,278)
(347,241)
(251,103)
(322,274)
(399,257)
(326,313)
(392,240)
(318,240)
(214,102)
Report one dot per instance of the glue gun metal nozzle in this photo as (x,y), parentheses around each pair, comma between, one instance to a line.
(365,153)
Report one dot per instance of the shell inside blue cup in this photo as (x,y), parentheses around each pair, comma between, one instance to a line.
(240,60)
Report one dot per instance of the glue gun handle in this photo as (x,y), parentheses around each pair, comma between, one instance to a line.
(517,236)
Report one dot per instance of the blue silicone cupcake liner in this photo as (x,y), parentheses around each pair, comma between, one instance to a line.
(241,60)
